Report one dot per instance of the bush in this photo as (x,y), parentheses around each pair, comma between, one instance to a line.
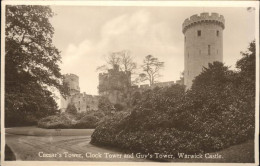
(57,121)
(216,113)
(88,120)
(168,121)
(71,109)
(98,114)
(119,107)
(105,105)
(215,106)
(105,132)
(9,154)
(19,119)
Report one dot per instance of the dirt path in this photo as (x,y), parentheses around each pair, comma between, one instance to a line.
(34,144)
(62,147)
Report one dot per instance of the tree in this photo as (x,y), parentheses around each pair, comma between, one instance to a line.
(220,99)
(31,62)
(216,75)
(127,62)
(122,58)
(245,86)
(151,67)
(71,109)
(246,64)
(105,105)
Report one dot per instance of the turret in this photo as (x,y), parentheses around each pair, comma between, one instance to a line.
(203,43)
(72,81)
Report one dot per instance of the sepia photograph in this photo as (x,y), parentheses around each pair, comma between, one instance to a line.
(130,82)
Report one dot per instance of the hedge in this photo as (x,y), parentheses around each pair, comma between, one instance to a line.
(211,116)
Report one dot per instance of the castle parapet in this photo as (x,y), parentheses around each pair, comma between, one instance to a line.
(72,81)
(203,17)
(71,75)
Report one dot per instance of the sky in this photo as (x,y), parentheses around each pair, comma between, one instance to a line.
(85,35)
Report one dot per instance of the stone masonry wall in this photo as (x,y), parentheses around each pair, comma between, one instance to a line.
(82,101)
(203,43)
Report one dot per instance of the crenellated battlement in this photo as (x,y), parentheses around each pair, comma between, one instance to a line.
(203,17)
(71,76)
(72,81)
(102,74)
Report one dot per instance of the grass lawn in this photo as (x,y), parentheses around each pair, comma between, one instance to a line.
(242,153)
(35,131)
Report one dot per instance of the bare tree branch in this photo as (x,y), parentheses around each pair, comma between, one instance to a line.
(151,66)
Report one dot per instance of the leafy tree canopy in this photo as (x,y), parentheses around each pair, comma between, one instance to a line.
(71,109)
(247,65)
(31,63)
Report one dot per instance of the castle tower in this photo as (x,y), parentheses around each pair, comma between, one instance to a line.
(203,43)
(114,84)
(72,81)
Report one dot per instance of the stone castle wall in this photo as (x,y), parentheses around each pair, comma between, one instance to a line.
(114,80)
(203,43)
(82,101)
(203,36)
(72,81)
(116,86)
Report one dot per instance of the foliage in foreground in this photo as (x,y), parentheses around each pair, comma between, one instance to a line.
(31,65)
(216,113)
(88,120)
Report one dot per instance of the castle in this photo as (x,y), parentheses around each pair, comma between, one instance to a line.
(203,43)
(82,101)
(116,86)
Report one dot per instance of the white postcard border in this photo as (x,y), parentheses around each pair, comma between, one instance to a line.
(128,3)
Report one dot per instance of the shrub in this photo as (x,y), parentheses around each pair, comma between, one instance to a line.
(56,121)
(71,109)
(87,122)
(217,107)
(168,121)
(98,114)
(105,105)
(9,154)
(216,113)
(106,131)
(119,107)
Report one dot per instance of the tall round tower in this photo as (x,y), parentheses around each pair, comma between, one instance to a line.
(203,43)
(72,81)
